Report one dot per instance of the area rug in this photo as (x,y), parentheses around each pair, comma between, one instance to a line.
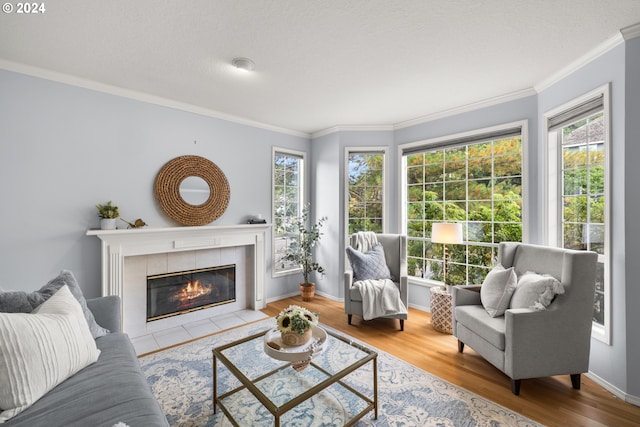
(181,379)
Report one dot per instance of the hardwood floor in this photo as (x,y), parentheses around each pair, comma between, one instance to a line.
(550,401)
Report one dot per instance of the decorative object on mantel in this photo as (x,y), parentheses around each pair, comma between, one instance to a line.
(138,223)
(294,324)
(300,252)
(258,219)
(167,190)
(108,215)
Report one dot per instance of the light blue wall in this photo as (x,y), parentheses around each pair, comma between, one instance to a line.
(631,253)
(607,361)
(63,149)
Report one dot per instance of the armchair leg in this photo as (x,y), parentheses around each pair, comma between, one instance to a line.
(349,316)
(460,346)
(575,381)
(402,324)
(515,387)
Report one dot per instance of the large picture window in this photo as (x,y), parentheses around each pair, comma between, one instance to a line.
(288,201)
(365,191)
(473,179)
(578,189)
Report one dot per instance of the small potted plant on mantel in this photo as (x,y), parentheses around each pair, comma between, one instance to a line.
(108,215)
(300,252)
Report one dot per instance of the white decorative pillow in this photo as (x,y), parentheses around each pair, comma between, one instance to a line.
(497,289)
(535,291)
(370,265)
(39,350)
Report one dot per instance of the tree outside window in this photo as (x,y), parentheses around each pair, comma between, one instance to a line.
(366,191)
(583,195)
(287,205)
(477,184)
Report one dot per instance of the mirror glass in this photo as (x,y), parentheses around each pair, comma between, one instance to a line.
(194,190)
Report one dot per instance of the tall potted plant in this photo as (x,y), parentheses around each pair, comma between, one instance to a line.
(300,252)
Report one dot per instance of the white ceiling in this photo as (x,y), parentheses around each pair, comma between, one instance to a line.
(319,64)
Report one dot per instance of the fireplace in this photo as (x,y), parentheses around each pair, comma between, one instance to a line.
(186,291)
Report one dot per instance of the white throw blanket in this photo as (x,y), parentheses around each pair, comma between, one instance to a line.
(365,241)
(379,298)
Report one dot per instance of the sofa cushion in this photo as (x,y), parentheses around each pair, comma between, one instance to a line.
(40,350)
(23,302)
(476,319)
(535,291)
(496,290)
(371,265)
(112,390)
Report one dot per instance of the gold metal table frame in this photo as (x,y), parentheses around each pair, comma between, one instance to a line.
(279,410)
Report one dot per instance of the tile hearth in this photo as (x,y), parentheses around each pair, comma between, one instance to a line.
(169,337)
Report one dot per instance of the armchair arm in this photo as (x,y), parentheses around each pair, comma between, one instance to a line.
(348,280)
(465,295)
(542,343)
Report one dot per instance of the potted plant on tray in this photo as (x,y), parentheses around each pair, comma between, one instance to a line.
(295,323)
(300,252)
(108,215)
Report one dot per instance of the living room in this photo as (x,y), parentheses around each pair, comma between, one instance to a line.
(72,141)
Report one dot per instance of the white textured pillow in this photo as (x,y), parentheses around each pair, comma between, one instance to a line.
(41,349)
(535,291)
(497,289)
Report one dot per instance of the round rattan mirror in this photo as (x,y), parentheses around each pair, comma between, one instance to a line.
(167,190)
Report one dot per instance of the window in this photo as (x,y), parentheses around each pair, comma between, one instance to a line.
(473,179)
(578,188)
(365,191)
(288,201)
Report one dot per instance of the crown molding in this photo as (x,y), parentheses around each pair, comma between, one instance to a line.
(631,32)
(352,128)
(594,53)
(139,96)
(467,108)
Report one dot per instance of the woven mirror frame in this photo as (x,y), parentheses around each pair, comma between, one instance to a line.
(167,190)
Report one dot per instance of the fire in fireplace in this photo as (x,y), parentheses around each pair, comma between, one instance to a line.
(185,291)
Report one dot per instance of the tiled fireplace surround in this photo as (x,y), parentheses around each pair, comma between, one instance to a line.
(129,256)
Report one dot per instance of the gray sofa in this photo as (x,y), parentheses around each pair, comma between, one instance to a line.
(113,390)
(527,342)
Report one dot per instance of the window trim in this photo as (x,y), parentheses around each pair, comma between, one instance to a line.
(302,197)
(459,139)
(385,184)
(553,214)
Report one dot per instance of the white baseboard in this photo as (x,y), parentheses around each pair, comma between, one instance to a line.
(629,398)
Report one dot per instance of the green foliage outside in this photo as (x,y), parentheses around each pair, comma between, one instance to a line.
(366,184)
(479,186)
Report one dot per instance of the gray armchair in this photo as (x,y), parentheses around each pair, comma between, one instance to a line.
(530,343)
(395,251)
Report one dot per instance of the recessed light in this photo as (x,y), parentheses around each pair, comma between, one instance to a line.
(244,64)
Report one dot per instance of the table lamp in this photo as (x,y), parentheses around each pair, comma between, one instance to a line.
(446,233)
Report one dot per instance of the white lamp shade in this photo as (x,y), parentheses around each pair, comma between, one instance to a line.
(446,232)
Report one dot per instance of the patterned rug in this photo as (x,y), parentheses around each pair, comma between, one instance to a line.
(181,379)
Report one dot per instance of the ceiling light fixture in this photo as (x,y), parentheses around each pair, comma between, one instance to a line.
(244,64)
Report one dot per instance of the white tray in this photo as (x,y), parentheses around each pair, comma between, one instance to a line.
(297,353)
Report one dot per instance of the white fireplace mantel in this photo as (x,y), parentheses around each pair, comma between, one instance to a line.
(118,244)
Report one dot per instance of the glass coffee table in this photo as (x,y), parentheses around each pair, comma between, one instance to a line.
(331,389)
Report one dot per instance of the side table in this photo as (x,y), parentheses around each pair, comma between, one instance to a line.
(441,310)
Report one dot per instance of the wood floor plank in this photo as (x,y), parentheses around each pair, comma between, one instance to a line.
(550,401)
